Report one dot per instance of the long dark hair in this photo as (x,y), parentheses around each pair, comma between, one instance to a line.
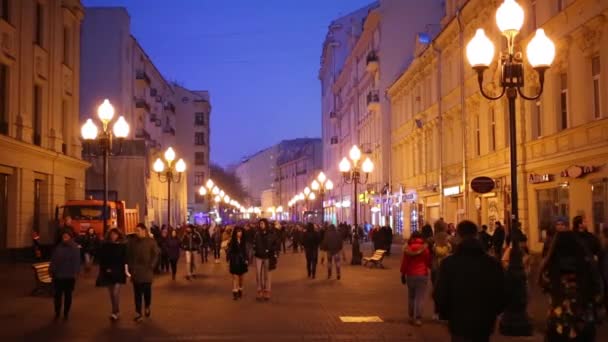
(233,238)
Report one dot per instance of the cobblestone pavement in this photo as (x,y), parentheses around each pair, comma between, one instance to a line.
(203,309)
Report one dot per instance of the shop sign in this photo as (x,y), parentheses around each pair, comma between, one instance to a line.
(535,178)
(576,171)
(409,196)
(482,185)
(451,191)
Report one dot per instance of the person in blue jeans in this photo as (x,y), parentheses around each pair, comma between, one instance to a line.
(415,267)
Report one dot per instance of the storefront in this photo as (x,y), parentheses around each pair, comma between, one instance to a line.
(454,204)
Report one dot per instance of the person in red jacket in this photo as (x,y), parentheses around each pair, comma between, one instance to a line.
(415,273)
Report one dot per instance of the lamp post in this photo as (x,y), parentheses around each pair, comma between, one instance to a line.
(90,133)
(540,53)
(207,191)
(353,173)
(322,184)
(169,173)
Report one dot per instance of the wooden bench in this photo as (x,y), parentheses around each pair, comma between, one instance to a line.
(376,259)
(44,281)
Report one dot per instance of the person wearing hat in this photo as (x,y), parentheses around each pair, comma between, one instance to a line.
(64,267)
(561,225)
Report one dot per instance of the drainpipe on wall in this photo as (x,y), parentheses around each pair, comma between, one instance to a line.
(465,190)
(439,125)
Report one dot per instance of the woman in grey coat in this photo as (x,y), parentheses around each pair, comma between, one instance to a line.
(142,255)
(64,267)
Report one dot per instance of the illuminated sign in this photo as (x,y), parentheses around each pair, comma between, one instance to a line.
(451,191)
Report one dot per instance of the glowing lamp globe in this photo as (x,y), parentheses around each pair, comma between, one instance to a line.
(105,112)
(540,50)
(121,128)
(89,130)
(180,166)
(315,185)
(510,17)
(170,155)
(321,177)
(329,185)
(480,50)
(159,166)
(354,153)
(344,165)
(367,166)
(209,184)
(202,191)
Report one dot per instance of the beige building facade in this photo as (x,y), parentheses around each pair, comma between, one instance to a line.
(444,133)
(40,163)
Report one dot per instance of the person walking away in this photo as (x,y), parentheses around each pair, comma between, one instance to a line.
(113,268)
(191,243)
(440,249)
(89,243)
(498,240)
(322,245)
(485,238)
(164,254)
(205,243)
(415,266)
(64,267)
(470,290)
(311,243)
(216,240)
(561,225)
(66,226)
(333,242)
(173,246)
(376,238)
(568,275)
(142,255)
(238,261)
(265,248)
(604,265)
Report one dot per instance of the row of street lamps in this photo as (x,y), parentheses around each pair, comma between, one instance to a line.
(215,194)
(320,185)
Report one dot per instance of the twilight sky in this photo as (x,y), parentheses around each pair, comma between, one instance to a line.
(258,58)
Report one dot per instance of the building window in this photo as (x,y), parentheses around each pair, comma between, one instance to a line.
(537,121)
(37,115)
(199,138)
(199,178)
(199,158)
(561,5)
(563,102)
(599,191)
(3,209)
(4,10)
(65,124)
(551,203)
(597,100)
(492,130)
(37,204)
(477,136)
(199,119)
(67,41)
(4,99)
(39,25)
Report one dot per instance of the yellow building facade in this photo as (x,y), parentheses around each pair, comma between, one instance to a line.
(444,133)
(40,150)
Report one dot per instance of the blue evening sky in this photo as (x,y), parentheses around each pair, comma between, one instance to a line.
(258,58)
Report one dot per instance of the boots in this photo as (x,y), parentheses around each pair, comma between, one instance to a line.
(240,293)
(235,295)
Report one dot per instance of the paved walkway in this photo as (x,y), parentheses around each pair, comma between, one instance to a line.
(203,309)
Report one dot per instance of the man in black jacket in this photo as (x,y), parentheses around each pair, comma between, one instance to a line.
(470,290)
(191,243)
(498,240)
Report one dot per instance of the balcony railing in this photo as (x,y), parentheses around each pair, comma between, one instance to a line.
(141,75)
(372,62)
(142,104)
(373,100)
(169,130)
(141,133)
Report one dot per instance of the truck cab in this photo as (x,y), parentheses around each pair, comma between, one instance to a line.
(90,213)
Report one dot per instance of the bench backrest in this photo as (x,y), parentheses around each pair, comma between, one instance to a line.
(41,268)
(379,253)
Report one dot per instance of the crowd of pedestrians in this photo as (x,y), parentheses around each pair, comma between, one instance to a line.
(468,268)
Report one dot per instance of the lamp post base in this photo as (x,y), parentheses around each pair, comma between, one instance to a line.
(357,256)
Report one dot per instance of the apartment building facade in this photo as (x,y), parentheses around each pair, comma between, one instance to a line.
(40,161)
(444,133)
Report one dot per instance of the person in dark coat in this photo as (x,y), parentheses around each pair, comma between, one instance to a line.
(173,247)
(162,245)
(498,240)
(265,247)
(333,242)
(470,288)
(64,267)
(216,241)
(388,238)
(205,244)
(191,243)
(485,238)
(238,259)
(89,243)
(311,242)
(142,255)
(113,268)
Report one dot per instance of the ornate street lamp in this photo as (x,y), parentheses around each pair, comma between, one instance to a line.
(540,53)
(169,173)
(90,134)
(353,173)
(322,184)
